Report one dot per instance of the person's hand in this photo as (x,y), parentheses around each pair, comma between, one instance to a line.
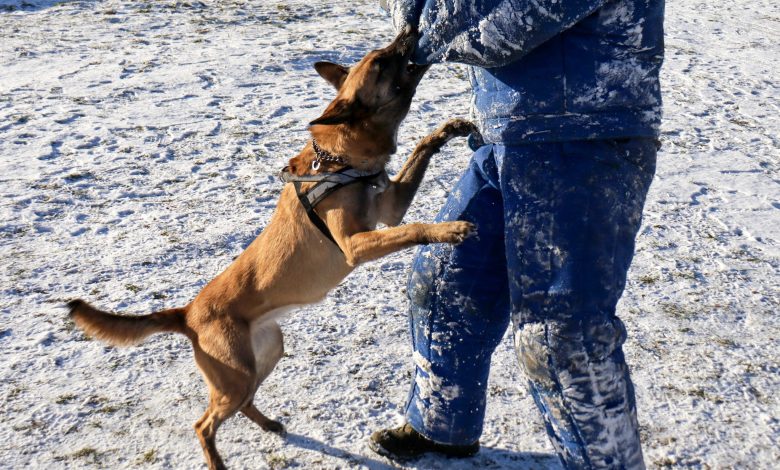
(403,12)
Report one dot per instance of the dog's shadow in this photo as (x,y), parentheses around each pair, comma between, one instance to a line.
(487,457)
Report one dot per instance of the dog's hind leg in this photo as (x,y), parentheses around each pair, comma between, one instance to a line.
(251,412)
(221,407)
(268,346)
(206,429)
(224,356)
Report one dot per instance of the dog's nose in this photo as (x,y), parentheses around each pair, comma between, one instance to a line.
(405,41)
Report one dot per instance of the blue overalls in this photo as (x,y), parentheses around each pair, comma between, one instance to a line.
(567,97)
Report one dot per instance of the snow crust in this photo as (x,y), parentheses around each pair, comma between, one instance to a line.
(139,143)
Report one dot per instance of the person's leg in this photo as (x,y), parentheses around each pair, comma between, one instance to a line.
(572,212)
(459,313)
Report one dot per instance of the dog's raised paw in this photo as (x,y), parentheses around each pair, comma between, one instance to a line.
(459,128)
(453,232)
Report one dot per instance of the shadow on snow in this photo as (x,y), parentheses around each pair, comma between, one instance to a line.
(486,458)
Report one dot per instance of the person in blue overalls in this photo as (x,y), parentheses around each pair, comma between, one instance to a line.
(567,97)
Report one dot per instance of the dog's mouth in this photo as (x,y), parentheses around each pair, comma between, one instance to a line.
(405,42)
(404,45)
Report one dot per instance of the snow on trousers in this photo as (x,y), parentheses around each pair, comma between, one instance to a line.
(556,226)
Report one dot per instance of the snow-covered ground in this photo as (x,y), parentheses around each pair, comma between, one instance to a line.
(139,142)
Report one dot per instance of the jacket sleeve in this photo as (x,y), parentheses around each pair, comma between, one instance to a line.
(487,33)
(403,12)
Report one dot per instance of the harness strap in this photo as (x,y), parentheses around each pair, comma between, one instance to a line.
(315,219)
(326,184)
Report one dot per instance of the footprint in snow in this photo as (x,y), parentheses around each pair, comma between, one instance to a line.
(55,151)
(91,143)
(69,119)
(79,231)
(280,112)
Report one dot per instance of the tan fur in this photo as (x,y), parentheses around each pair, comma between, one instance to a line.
(231,322)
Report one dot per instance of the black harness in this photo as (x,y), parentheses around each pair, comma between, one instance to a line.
(327,183)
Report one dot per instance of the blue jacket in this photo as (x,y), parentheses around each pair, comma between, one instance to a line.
(549,70)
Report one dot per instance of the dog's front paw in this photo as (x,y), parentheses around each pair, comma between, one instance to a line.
(451,232)
(458,128)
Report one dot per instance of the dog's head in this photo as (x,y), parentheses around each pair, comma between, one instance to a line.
(374,94)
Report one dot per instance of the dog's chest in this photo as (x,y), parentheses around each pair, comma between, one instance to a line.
(378,185)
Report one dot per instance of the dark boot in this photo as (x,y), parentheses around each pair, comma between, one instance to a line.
(405,443)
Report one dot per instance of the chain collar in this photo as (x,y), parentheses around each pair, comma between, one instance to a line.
(324,156)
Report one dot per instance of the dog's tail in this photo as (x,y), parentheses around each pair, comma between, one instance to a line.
(124,330)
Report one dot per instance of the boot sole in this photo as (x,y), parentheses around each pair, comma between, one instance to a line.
(376,447)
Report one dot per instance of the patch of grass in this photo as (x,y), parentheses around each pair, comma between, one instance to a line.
(150,456)
(496,390)
(65,398)
(29,426)
(87,453)
(741,122)
(95,401)
(109,409)
(697,392)
(133,288)
(691,275)
(275,461)
(365,342)
(745,255)
(677,311)
(648,279)
(667,440)
(15,392)
(155,422)
(725,342)
(75,177)
(665,462)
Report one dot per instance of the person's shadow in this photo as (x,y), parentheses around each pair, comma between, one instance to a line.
(31,5)
(487,457)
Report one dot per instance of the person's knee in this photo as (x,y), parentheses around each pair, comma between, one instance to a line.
(545,349)
(427,267)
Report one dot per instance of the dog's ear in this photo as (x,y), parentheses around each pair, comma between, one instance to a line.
(335,74)
(338,112)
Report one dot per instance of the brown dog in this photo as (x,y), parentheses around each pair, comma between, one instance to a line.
(231,322)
